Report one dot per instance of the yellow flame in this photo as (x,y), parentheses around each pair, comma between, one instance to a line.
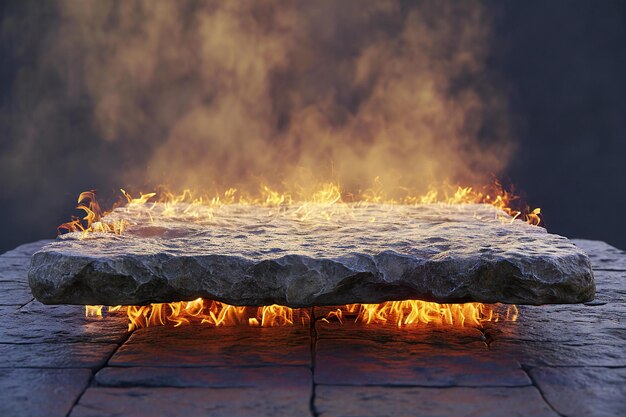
(398,313)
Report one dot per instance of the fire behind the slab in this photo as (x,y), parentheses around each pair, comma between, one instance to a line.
(323,199)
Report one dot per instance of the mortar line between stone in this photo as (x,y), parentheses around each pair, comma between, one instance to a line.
(94,371)
(534,384)
(609,269)
(313,341)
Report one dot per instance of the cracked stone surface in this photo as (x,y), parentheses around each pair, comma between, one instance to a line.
(313,256)
(556,360)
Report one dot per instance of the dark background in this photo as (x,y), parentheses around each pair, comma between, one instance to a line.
(563,63)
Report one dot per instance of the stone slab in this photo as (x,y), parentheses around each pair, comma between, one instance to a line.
(206,377)
(55,355)
(40,392)
(173,402)
(582,392)
(202,346)
(331,401)
(313,255)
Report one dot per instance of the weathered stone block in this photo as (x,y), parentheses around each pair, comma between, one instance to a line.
(321,255)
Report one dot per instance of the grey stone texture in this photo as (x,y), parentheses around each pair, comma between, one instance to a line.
(603,256)
(328,255)
(583,391)
(205,377)
(358,363)
(431,402)
(174,402)
(566,360)
(40,392)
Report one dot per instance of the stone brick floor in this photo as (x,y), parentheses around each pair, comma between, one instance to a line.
(567,360)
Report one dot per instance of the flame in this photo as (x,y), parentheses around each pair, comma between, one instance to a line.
(398,313)
(93,216)
(325,202)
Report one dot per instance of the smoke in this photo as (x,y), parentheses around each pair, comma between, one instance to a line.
(217,94)
(237,93)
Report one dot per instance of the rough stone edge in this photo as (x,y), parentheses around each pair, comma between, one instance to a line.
(88,276)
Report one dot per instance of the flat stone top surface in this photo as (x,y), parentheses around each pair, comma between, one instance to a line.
(429,231)
(556,360)
(312,255)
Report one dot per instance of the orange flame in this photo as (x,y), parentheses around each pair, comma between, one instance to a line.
(399,313)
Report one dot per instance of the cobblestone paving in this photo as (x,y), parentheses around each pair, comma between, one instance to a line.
(567,360)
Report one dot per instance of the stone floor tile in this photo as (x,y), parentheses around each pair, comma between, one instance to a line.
(597,324)
(38,323)
(26,250)
(14,293)
(227,371)
(366,362)
(610,287)
(418,334)
(575,353)
(55,355)
(14,270)
(332,401)
(603,255)
(185,402)
(207,377)
(583,392)
(40,392)
(199,345)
